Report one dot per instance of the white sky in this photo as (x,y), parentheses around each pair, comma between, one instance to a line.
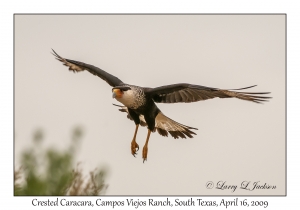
(236,140)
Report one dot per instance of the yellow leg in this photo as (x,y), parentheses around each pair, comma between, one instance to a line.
(134,145)
(145,148)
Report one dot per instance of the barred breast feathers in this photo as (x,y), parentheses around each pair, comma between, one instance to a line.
(133,98)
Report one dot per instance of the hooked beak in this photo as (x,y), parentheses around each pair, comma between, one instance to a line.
(117,93)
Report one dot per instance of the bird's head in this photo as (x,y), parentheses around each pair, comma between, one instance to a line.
(118,92)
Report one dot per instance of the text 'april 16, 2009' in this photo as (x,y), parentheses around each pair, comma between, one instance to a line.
(139,203)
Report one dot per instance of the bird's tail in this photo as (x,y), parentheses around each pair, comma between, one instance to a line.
(165,125)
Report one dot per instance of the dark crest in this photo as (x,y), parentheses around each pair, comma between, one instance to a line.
(123,88)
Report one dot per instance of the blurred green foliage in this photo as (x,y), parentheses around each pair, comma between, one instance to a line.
(50,171)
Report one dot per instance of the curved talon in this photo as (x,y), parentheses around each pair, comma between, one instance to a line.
(134,154)
(134,147)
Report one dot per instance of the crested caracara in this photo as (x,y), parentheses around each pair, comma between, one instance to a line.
(139,102)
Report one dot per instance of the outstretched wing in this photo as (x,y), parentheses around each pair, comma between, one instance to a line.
(164,125)
(187,93)
(77,66)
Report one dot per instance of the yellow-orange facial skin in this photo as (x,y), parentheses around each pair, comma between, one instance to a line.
(117,93)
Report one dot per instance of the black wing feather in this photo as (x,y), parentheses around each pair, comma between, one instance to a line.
(187,93)
(77,66)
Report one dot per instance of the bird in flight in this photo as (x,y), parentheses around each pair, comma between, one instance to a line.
(139,102)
